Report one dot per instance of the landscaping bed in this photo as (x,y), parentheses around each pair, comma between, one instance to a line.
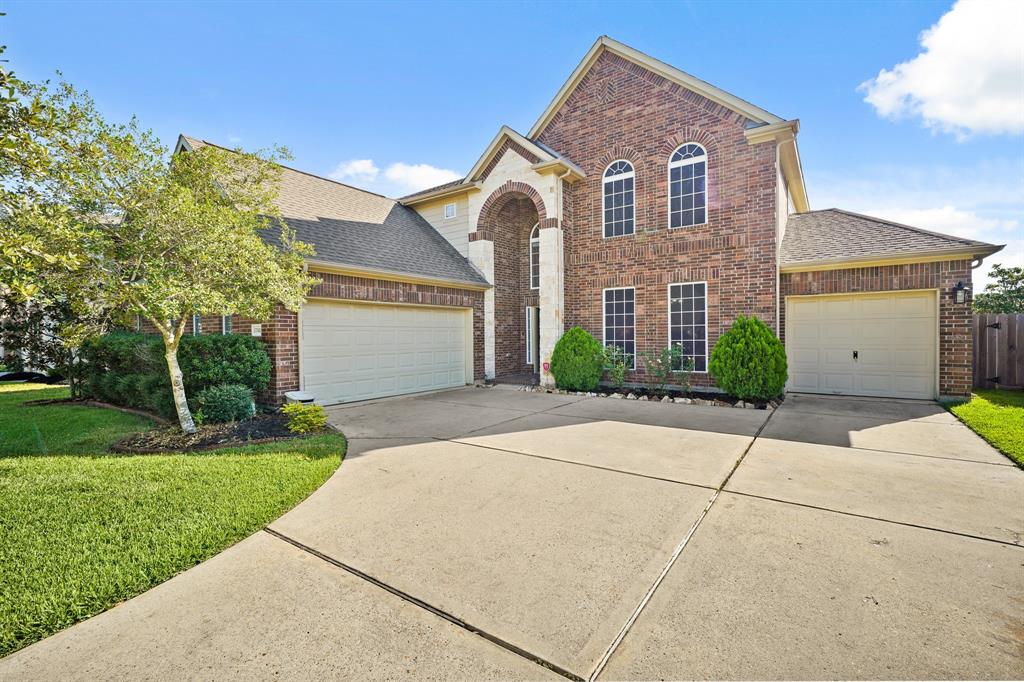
(84,529)
(708,398)
(263,428)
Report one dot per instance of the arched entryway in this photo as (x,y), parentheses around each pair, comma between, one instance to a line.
(511,218)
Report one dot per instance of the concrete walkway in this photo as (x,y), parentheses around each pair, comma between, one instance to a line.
(492,533)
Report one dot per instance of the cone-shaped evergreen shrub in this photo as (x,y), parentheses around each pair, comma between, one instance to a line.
(578,361)
(748,361)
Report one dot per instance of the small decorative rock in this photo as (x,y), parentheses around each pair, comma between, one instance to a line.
(666,399)
(630,396)
(591,394)
(617,396)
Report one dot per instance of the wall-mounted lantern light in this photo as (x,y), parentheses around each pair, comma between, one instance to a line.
(960,293)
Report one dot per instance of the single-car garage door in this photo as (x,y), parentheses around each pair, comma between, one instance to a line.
(356,351)
(881,344)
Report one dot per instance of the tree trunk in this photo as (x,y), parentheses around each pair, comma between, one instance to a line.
(188,425)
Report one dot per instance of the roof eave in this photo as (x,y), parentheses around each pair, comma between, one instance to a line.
(461,188)
(393,275)
(783,134)
(565,169)
(671,73)
(964,252)
(505,133)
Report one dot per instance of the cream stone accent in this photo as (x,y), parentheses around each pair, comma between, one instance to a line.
(552,297)
(481,255)
(513,167)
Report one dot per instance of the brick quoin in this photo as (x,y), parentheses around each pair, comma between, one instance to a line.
(956,343)
(622,111)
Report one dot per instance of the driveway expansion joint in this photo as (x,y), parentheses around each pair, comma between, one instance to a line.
(426,606)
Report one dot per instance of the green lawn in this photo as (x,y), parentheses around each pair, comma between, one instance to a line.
(82,529)
(998,417)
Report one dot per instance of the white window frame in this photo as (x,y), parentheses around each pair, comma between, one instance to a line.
(225,324)
(197,325)
(604,322)
(604,181)
(668,311)
(535,261)
(529,335)
(454,206)
(668,177)
(138,322)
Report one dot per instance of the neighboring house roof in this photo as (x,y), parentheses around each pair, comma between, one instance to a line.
(548,161)
(834,236)
(352,228)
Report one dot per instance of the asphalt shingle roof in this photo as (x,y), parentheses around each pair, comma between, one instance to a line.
(834,234)
(352,227)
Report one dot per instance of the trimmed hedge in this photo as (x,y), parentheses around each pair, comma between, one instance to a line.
(749,362)
(129,369)
(577,362)
(225,403)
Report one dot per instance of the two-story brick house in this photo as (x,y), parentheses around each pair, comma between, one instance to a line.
(644,205)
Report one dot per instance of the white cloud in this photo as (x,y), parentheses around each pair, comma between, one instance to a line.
(969,78)
(951,220)
(415,177)
(362,170)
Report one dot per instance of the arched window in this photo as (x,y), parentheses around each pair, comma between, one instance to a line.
(687,186)
(535,257)
(618,199)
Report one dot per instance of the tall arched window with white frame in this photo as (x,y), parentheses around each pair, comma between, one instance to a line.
(618,199)
(535,257)
(687,186)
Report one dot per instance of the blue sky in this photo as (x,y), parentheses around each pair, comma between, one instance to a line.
(412,90)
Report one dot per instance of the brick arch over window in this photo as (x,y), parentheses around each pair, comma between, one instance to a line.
(711,148)
(497,200)
(615,153)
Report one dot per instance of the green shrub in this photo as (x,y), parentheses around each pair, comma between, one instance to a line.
(748,361)
(129,369)
(304,418)
(225,403)
(578,361)
(615,366)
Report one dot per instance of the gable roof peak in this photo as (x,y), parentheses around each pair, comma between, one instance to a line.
(606,44)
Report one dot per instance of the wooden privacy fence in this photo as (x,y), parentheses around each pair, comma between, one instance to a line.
(998,350)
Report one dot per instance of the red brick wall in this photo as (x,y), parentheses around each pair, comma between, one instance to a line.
(955,340)
(510,225)
(623,111)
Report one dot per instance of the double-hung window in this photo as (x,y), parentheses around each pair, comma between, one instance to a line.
(687,186)
(618,199)
(225,324)
(197,325)
(687,322)
(535,257)
(620,322)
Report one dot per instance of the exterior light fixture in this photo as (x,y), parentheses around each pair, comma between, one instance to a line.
(960,293)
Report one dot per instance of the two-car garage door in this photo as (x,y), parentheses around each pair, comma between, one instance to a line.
(356,351)
(881,344)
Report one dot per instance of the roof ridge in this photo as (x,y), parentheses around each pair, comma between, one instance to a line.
(296,170)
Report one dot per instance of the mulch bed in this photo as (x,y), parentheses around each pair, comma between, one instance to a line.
(263,428)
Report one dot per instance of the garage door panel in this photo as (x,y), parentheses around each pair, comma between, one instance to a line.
(894,334)
(356,351)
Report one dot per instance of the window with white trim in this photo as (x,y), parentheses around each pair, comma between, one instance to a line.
(197,325)
(618,199)
(687,322)
(529,335)
(449,210)
(620,322)
(225,324)
(535,257)
(687,186)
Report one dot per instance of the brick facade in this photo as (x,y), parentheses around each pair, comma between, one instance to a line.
(955,340)
(621,111)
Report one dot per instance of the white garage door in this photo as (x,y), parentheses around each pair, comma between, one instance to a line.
(353,351)
(863,344)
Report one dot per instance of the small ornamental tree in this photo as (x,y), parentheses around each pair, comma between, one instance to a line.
(108,221)
(748,361)
(577,361)
(1005,294)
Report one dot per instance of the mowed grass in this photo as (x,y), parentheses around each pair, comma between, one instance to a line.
(82,529)
(998,417)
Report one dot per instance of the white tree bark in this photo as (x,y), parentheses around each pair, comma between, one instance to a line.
(171,341)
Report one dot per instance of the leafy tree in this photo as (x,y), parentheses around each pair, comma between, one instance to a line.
(101,216)
(1005,295)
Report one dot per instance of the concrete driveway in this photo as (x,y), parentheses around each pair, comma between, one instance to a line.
(492,533)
